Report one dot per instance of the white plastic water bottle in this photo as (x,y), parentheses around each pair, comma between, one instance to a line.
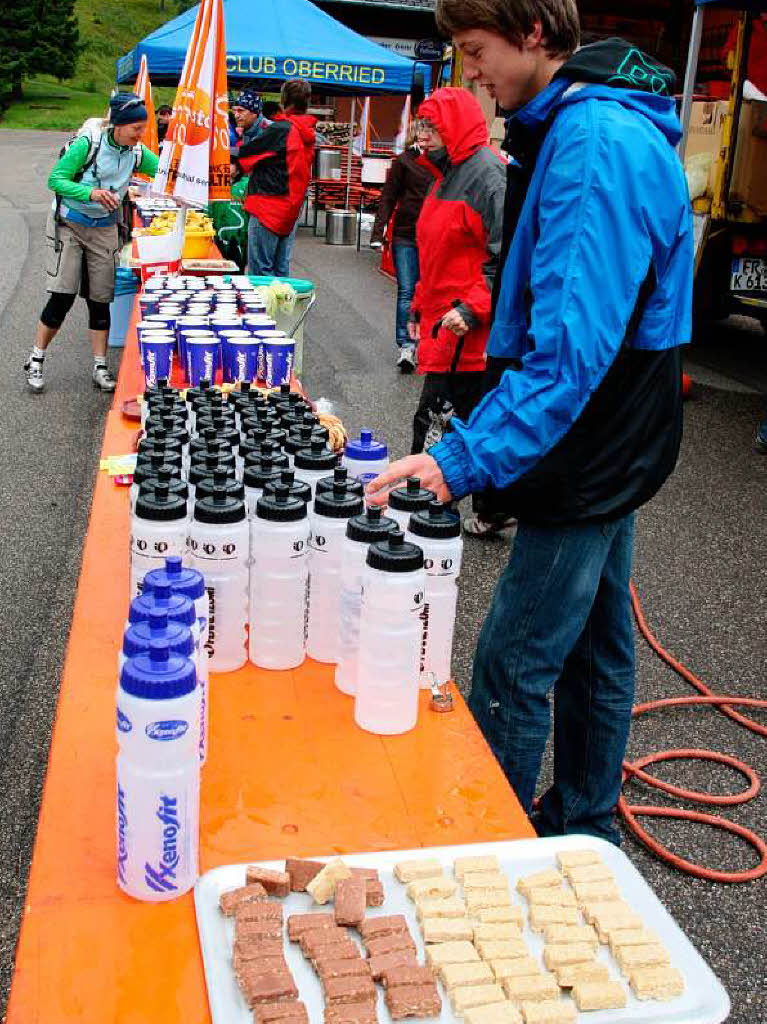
(255,478)
(219,549)
(437,531)
(278,575)
(361,532)
(328,517)
(365,457)
(393,586)
(313,463)
(404,501)
(158,775)
(181,581)
(159,527)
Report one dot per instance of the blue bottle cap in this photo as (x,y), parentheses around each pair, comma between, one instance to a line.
(187,582)
(365,448)
(138,638)
(158,674)
(176,607)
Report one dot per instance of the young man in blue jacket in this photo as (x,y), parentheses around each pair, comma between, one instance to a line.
(584,424)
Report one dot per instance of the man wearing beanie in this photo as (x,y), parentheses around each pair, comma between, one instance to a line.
(247,110)
(89,183)
(279,165)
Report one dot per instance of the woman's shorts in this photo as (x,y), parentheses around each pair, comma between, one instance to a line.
(68,245)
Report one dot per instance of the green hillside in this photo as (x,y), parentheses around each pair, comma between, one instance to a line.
(108,29)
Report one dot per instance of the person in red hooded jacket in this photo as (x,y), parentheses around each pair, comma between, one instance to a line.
(459,242)
(279,163)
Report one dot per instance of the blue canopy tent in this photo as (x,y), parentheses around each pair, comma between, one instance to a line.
(272,40)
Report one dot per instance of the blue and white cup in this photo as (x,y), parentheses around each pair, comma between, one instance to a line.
(157,357)
(159,321)
(148,303)
(229,336)
(183,334)
(263,337)
(243,358)
(279,356)
(203,356)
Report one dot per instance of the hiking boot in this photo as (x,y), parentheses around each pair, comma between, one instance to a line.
(406,360)
(33,368)
(103,379)
(476,526)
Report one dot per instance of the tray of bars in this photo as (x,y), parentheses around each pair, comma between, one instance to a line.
(546,931)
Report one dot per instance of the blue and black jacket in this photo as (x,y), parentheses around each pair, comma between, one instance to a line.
(593,304)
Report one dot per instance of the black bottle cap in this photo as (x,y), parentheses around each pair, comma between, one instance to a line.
(437,521)
(316,456)
(412,497)
(219,508)
(259,474)
(221,480)
(338,503)
(168,477)
(297,488)
(159,504)
(148,468)
(341,476)
(395,554)
(280,506)
(204,468)
(370,526)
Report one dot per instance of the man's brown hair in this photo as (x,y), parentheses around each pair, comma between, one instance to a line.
(295,93)
(515,19)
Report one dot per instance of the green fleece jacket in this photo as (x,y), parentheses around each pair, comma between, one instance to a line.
(61,177)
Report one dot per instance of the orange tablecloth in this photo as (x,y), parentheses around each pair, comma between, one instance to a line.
(288,773)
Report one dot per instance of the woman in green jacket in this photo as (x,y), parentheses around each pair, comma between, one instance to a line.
(89,181)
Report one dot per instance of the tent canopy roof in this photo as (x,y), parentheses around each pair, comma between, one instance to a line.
(273,40)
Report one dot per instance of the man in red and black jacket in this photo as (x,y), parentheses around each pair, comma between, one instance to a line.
(279,163)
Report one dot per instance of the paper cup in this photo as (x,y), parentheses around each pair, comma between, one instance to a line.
(157,358)
(278,356)
(203,355)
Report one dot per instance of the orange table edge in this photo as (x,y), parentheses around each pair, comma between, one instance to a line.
(288,774)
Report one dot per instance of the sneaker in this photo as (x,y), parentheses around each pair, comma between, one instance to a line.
(475,526)
(761,438)
(406,360)
(103,379)
(33,368)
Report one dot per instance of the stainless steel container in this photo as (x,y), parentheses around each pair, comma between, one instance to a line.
(328,163)
(340,227)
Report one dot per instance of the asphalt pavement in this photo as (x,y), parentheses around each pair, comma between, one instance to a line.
(700,555)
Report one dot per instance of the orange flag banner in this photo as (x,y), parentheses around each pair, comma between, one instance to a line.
(144,90)
(194,162)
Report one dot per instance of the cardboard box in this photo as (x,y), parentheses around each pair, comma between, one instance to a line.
(749,177)
(705,134)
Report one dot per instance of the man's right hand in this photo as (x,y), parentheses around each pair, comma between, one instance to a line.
(414,330)
(109,200)
(376,244)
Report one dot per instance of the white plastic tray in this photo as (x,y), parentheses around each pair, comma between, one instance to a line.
(704,1000)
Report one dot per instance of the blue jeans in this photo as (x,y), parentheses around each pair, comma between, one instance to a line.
(268,254)
(406,267)
(560,620)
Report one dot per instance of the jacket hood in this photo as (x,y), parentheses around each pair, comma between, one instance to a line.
(612,69)
(459,119)
(305,124)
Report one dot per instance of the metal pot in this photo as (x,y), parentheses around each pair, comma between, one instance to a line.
(340,227)
(328,162)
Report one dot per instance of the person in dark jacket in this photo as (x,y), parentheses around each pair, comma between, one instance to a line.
(402,196)
(459,240)
(279,164)
(593,305)
(247,111)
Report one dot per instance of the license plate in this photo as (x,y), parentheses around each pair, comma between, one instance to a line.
(748,275)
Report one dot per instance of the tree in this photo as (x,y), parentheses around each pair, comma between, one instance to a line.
(18,35)
(58,39)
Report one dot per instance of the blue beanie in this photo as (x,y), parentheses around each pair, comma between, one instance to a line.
(126,108)
(250,100)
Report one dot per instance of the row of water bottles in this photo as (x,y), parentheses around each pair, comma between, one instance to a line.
(162,734)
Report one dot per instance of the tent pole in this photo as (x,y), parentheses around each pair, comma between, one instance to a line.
(350,153)
(689,78)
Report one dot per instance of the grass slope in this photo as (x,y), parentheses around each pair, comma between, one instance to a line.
(108,29)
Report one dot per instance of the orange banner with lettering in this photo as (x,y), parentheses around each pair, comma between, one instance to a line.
(194,162)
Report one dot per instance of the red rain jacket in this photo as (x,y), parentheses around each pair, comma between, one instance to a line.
(458,232)
(279,163)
